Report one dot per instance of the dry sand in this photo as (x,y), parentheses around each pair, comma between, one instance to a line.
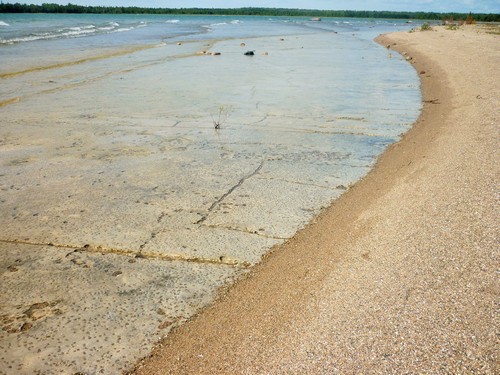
(399,275)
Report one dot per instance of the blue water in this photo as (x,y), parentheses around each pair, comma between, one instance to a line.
(34,40)
(100,29)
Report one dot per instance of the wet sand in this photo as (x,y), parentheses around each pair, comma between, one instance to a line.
(398,275)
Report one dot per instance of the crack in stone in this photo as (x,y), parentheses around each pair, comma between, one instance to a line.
(10,101)
(226,194)
(255,233)
(325,187)
(160,218)
(153,233)
(86,81)
(258,121)
(222,260)
(77,62)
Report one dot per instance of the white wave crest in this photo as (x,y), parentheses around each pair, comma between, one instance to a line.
(2,23)
(76,32)
(25,39)
(68,33)
(172,21)
(121,30)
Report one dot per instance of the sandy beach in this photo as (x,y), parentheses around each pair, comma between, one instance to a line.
(399,274)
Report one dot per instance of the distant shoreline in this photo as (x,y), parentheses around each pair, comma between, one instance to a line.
(250,11)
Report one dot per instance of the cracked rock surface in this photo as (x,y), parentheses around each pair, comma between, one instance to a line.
(68,309)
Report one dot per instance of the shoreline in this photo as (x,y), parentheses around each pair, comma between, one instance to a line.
(383,289)
(146,207)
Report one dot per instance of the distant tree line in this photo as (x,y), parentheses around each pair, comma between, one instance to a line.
(72,8)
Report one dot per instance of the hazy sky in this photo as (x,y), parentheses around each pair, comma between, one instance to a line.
(475,6)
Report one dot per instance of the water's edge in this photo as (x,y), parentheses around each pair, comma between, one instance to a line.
(88,191)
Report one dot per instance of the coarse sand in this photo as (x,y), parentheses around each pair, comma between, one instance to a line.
(399,274)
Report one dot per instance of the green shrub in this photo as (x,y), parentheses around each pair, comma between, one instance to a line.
(425,27)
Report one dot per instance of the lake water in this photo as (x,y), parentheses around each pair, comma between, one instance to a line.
(311,110)
(108,142)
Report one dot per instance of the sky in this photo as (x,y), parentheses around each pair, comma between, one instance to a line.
(462,6)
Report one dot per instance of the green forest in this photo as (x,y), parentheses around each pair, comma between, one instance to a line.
(72,8)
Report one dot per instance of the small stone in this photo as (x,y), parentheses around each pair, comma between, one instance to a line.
(12,268)
(26,326)
(117,273)
(160,311)
(165,324)
(422,72)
